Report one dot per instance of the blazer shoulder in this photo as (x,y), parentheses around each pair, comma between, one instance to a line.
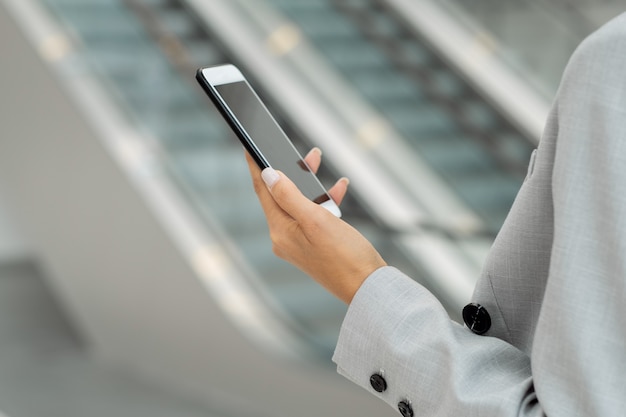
(605,46)
(595,73)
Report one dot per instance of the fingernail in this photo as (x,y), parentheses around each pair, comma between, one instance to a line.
(346,180)
(318,150)
(270,176)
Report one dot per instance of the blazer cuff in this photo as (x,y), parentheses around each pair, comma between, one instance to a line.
(376,323)
(398,342)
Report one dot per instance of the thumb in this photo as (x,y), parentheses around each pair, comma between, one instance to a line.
(286,194)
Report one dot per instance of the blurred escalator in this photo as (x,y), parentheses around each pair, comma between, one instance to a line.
(146,51)
(464,139)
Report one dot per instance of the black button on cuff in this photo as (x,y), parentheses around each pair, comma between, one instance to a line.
(378,383)
(476,318)
(405,409)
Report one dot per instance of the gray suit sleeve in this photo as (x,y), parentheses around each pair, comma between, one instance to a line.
(396,328)
(577,363)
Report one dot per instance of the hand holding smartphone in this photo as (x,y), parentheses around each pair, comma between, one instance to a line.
(259,133)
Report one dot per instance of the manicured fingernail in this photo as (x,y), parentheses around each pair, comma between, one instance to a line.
(270,176)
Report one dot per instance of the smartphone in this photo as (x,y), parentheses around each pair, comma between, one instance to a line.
(259,132)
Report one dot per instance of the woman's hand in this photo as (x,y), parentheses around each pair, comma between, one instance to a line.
(308,236)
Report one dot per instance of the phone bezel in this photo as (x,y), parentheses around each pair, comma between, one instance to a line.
(226,74)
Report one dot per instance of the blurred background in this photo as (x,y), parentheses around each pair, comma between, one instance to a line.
(136,274)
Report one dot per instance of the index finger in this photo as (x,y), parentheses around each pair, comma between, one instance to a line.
(268,204)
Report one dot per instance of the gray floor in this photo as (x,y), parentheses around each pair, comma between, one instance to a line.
(45,370)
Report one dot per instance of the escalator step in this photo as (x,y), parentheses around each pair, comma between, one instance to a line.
(177,22)
(446,84)
(353,54)
(387,86)
(478,115)
(420,122)
(453,156)
(96,21)
(203,53)
(414,54)
(324,24)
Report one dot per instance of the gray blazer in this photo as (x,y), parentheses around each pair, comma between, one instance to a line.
(546,333)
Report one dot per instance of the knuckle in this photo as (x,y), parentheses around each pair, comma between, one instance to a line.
(276,250)
(277,239)
(273,236)
(279,250)
(281,243)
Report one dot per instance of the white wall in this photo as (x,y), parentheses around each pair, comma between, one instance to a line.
(12,243)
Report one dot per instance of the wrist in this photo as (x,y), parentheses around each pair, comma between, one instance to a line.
(356,284)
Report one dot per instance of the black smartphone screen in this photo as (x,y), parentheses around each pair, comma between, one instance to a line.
(269,138)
